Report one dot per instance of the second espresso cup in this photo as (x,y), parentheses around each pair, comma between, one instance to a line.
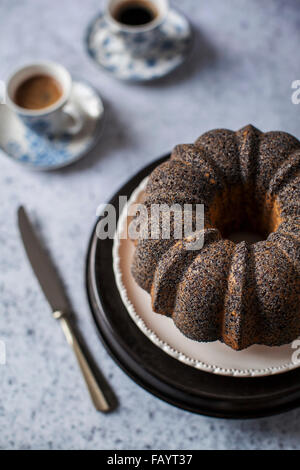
(137,23)
(60,116)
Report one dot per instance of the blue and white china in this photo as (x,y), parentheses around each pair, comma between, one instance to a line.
(139,39)
(43,151)
(144,55)
(62,116)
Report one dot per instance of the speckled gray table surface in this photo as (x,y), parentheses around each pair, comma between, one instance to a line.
(244,61)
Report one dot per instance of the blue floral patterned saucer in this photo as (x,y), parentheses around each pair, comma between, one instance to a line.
(166,55)
(44,152)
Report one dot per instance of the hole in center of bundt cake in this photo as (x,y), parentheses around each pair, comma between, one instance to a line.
(247,236)
(240,214)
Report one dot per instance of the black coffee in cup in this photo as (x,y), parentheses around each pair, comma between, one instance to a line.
(38,92)
(135,12)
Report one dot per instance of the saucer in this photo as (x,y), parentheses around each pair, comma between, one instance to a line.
(171,51)
(42,152)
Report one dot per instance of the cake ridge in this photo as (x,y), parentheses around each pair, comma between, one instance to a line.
(285,172)
(290,259)
(189,313)
(237,320)
(249,147)
(274,148)
(168,274)
(218,173)
(221,145)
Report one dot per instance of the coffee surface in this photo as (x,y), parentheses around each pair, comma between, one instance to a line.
(38,92)
(135,13)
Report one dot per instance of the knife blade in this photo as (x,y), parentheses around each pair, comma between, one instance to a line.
(42,265)
(55,294)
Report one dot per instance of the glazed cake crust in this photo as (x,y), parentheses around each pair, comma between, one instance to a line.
(239,293)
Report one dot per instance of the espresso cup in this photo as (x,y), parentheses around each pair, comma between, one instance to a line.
(62,116)
(137,39)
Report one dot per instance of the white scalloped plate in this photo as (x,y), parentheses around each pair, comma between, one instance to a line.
(217,358)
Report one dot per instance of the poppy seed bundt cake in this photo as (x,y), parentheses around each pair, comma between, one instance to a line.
(239,293)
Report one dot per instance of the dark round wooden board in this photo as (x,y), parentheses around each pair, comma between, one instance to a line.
(156,371)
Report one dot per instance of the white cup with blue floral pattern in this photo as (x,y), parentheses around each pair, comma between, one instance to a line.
(61,117)
(137,39)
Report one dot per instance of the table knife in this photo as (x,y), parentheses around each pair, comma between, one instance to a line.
(55,294)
